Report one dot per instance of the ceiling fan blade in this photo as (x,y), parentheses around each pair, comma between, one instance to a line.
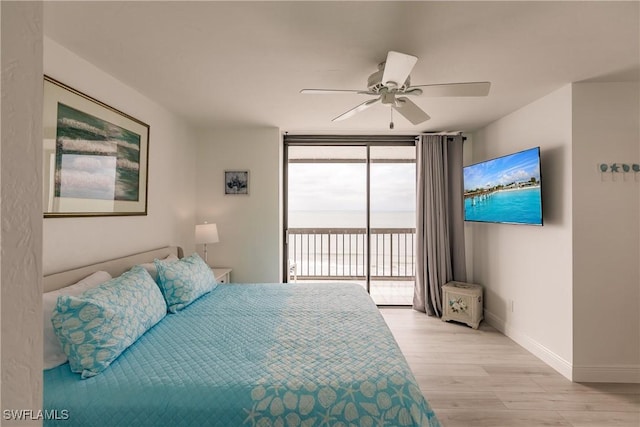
(410,111)
(456,89)
(397,68)
(356,110)
(329,91)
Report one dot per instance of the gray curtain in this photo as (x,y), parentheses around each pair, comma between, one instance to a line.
(440,253)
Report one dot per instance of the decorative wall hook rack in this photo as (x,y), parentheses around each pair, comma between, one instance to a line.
(619,168)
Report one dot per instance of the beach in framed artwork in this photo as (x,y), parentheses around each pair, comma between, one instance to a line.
(95,157)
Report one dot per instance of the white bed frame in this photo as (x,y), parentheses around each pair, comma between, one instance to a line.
(115,267)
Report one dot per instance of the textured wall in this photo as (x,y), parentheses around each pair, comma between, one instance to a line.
(21,207)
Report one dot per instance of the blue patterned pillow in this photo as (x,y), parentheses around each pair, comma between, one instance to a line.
(184,281)
(96,326)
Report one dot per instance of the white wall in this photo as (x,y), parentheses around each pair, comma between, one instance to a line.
(21,208)
(606,233)
(575,282)
(70,242)
(248,226)
(530,265)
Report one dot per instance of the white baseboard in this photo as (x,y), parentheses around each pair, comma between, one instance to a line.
(600,374)
(607,374)
(561,365)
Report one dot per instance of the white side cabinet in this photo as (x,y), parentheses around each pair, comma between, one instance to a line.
(462,302)
(222,274)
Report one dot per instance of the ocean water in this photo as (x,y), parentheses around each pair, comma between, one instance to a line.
(513,206)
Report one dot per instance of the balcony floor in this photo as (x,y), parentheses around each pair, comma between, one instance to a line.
(398,292)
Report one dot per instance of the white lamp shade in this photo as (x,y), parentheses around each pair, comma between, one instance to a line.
(206,233)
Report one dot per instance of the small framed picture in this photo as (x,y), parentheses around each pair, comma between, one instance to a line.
(236,182)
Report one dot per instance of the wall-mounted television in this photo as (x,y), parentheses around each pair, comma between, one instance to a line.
(506,189)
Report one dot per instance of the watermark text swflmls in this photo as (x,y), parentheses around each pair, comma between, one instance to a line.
(34,415)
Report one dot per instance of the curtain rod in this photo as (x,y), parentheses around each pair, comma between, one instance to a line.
(349,139)
(359,139)
(449,135)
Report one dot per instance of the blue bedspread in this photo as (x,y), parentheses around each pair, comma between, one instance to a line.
(257,355)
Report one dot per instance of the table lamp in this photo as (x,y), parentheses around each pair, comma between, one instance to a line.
(206,233)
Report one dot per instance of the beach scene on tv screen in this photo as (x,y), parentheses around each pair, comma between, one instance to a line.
(506,189)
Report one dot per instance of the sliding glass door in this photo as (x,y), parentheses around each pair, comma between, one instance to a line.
(350,215)
(392,209)
(327,213)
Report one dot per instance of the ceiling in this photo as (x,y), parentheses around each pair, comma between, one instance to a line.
(242,64)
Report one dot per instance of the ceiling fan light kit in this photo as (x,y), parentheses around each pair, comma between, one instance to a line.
(392,79)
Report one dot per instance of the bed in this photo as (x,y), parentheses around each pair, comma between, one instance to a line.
(247,354)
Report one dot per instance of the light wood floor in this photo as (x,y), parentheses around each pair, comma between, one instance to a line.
(482,378)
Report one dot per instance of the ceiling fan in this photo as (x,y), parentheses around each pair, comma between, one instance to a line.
(392,81)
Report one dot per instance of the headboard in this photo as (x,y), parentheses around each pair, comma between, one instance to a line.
(115,267)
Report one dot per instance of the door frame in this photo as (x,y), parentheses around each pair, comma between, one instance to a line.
(367,141)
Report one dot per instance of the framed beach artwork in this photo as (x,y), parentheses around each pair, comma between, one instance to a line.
(236,182)
(95,157)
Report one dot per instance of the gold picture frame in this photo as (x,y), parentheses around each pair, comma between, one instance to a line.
(95,158)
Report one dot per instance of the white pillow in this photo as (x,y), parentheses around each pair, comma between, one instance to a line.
(151,267)
(53,354)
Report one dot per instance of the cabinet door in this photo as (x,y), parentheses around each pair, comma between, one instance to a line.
(459,307)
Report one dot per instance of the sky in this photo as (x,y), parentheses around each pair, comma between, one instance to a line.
(342,186)
(516,167)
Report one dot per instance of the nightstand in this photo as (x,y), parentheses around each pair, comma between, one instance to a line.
(222,274)
(462,302)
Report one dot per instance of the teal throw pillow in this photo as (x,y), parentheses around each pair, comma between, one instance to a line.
(184,281)
(96,326)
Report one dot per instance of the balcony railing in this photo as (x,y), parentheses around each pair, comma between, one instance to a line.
(341,253)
